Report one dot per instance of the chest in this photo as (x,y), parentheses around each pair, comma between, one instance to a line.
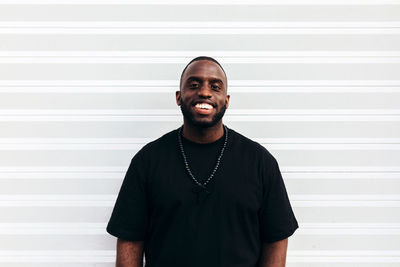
(236,185)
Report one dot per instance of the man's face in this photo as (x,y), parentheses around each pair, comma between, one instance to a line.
(203,95)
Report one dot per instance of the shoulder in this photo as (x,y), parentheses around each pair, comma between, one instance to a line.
(156,146)
(250,146)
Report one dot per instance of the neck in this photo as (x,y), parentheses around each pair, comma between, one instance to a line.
(203,135)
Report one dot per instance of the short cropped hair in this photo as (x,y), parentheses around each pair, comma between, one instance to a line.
(201,58)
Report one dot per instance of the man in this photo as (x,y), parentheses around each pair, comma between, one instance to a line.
(202,194)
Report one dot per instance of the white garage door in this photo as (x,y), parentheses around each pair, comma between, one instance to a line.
(85,84)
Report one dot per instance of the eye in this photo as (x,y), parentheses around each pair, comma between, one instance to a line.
(215,87)
(193,85)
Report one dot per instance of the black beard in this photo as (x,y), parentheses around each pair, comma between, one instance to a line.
(202,124)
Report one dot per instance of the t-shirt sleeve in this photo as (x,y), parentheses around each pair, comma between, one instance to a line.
(128,220)
(277,220)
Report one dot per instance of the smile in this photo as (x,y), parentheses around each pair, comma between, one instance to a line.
(203,108)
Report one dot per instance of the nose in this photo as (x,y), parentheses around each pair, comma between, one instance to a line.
(204,91)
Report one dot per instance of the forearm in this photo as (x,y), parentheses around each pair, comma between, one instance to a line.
(274,254)
(129,253)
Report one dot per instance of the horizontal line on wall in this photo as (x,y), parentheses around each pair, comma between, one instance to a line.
(159,112)
(349,252)
(168,57)
(138,143)
(250,86)
(343,256)
(205,2)
(376,176)
(370,118)
(75,256)
(175,115)
(336,176)
(13,175)
(198,27)
(105,256)
(343,200)
(202,31)
(350,200)
(118,173)
(120,169)
(52,228)
(146,140)
(235,86)
(100,229)
(347,229)
(73,169)
(345,197)
(171,90)
(192,25)
(260,60)
(190,54)
(175,83)
(57,200)
(131,147)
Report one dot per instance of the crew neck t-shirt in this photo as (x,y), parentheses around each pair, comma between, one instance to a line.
(202,157)
(242,206)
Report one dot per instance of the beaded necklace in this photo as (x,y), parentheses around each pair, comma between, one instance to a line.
(201,188)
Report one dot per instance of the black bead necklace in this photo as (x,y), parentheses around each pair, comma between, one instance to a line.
(187,165)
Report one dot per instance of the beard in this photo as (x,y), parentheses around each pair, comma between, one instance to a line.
(188,114)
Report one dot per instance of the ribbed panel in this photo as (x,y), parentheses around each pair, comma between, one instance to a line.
(84,84)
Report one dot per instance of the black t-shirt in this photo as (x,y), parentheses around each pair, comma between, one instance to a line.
(202,158)
(247,203)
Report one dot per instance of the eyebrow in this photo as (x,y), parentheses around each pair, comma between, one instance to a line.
(195,78)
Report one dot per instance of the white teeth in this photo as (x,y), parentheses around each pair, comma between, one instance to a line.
(204,106)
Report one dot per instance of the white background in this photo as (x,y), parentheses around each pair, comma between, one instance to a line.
(85,84)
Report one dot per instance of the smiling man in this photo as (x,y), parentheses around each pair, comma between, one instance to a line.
(202,194)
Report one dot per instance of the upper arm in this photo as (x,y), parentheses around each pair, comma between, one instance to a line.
(277,219)
(128,220)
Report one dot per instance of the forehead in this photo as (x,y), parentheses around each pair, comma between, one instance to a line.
(205,69)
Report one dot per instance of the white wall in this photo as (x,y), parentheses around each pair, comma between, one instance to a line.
(84,85)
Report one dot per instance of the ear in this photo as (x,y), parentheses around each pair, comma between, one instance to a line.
(227,101)
(178,97)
